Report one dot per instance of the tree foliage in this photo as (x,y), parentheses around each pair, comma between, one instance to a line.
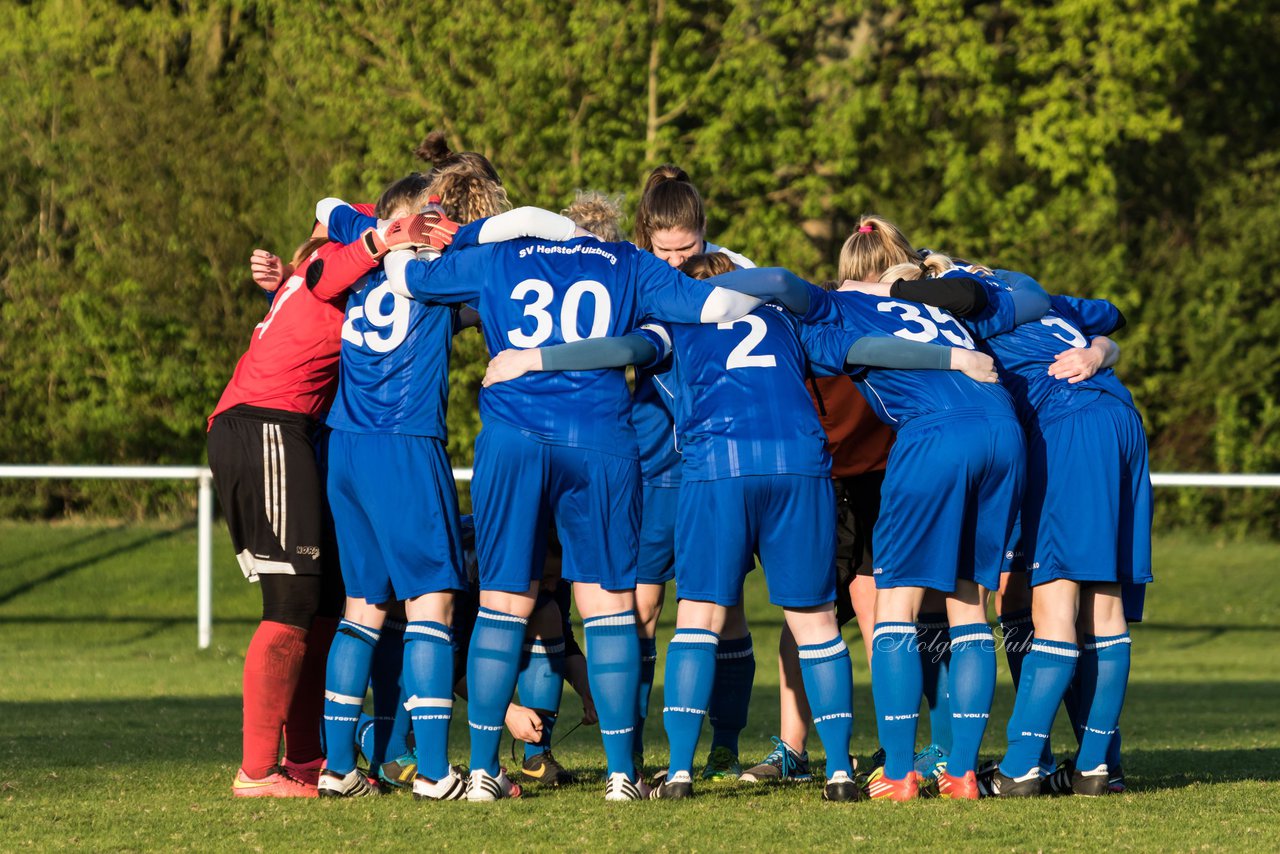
(1112,147)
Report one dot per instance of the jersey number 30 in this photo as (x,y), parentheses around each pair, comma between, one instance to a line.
(542,294)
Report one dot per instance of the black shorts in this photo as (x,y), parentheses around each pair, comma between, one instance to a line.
(857,509)
(269,484)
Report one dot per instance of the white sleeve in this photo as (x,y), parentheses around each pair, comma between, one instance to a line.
(394,265)
(665,337)
(325,207)
(741,260)
(724,305)
(527,222)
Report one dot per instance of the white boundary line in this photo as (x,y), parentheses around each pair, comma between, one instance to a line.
(204,510)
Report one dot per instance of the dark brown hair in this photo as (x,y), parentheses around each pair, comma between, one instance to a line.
(408,193)
(669,200)
(707,264)
(434,150)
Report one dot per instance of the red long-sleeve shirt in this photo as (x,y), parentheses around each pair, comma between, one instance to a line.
(292,360)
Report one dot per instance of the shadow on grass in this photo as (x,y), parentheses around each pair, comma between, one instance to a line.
(66,569)
(64,546)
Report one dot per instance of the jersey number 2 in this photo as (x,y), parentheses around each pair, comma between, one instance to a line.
(741,356)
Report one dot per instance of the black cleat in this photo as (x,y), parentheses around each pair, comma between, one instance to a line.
(994,783)
(1069,780)
(675,787)
(841,787)
(544,768)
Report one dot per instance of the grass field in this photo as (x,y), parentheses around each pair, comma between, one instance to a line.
(117,734)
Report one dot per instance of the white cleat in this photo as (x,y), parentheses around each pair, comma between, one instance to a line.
(450,787)
(353,785)
(622,788)
(484,788)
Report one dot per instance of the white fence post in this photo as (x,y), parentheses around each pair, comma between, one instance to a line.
(204,562)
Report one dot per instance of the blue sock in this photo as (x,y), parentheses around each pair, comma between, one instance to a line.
(384,680)
(1071,699)
(827,674)
(1046,673)
(346,679)
(1104,666)
(364,735)
(896,686)
(428,684)
(691,664)
(973,676)
(493,660)
(731,692)
(1017,632)
(648,664)
(613,669)
(934,639)
(1113,752)
(541,684)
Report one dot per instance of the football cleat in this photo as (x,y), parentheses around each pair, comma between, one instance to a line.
(930,762)
(484,788)
(353,784)
(544,768)
(841,787)
(622,788)
(722,766)
(304,772)
(963,788)
(450,787)
(678,785)
(277,784)
(399,772)
(1115,783)
(782,764)
(994,783)
(1069,780)
(882,788)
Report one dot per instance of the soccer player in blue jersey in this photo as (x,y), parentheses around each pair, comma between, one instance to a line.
(393,496)
(956,471)
(557,447)
(754,470)
(671,222)
(1084,437)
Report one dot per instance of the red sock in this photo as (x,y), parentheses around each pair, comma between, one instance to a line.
(306,712)
(271,668)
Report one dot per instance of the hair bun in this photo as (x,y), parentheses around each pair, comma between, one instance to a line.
(664,173)
(433,149)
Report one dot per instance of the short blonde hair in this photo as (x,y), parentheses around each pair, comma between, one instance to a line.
(597,213)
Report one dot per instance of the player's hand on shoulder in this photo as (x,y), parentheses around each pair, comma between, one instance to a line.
(975,365)
(431,229)
(524,723)
(267,270)
(510,364)
(1077,364)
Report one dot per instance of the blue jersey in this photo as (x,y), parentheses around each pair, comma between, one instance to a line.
(741,405)
(537,293)
(394,375)
(836,320)
(1024,353)
(651,408)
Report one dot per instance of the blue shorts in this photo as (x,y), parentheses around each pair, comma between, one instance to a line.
(1015,559)
(395,508)
(657,564)
(1086,514)
(521,485)
(949,501)
(1134,599)
(790,520)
